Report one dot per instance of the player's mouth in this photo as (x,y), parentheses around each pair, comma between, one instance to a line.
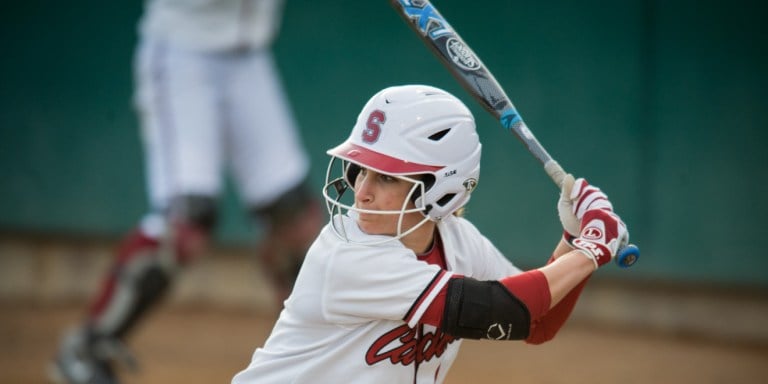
(373,224)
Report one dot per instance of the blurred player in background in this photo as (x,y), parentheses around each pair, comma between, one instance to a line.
(398,277)
(211,103)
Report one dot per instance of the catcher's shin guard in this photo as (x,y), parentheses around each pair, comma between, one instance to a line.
(86,358)
(141,276)
(137,280)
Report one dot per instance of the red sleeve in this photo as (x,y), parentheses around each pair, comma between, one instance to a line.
(532,289)
(434,313)
(546,327)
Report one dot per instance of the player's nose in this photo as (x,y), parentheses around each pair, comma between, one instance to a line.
(364,188)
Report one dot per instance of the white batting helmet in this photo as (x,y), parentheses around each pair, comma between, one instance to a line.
(414,130)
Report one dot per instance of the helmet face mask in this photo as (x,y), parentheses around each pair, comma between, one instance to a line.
(416,133)
(339,200)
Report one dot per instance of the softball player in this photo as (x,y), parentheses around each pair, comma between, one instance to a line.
(210,101)
(398,277)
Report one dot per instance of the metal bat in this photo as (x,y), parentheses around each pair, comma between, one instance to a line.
(478,80)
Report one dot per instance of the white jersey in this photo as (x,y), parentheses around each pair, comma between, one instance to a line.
(212,25)
(354,314)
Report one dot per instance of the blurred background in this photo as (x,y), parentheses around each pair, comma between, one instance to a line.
(663,104)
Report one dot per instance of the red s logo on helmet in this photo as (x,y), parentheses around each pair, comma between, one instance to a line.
(373,126)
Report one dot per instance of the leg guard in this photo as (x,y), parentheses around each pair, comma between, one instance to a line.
(139,278)
(137,281)
(199,211)
(484,310)
(291,224)
(192,219)
(82,358)
(145,265)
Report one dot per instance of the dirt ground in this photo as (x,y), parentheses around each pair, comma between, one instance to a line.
(209,345)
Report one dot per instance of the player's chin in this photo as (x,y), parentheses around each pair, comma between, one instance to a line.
(374,227)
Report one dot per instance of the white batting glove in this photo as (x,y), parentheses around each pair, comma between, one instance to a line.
(576,198)
(602,235)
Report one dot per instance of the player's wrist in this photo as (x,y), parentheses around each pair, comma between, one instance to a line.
(595,251)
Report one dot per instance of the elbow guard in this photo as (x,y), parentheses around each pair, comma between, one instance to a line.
(484,310)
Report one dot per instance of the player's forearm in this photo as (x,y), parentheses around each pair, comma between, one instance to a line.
(565,273)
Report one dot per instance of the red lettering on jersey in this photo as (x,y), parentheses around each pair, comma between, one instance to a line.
(402,345)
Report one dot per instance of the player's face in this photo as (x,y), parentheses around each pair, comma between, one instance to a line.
(377,191)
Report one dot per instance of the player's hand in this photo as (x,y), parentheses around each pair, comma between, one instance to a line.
(601,236)
(576,198)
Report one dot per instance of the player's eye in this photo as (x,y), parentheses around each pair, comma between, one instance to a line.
(388,178)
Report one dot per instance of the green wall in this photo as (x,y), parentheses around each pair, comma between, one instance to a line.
(660,103)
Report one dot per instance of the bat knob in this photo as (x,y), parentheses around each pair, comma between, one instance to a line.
(628,256)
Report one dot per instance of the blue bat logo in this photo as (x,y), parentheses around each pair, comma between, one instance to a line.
(426,16)
(510,117)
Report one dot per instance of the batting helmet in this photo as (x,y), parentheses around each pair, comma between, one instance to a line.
(414,130)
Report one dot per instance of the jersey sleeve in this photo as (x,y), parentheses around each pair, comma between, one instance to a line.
(494,265)
(472,254)
(370,283)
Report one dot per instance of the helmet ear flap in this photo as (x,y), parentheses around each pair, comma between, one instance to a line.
(429,181)
(443,201)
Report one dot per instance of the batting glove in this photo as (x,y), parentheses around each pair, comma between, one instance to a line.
(576,198)
(602,235)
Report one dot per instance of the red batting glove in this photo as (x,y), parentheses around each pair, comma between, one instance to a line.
(602,234)
(577,197)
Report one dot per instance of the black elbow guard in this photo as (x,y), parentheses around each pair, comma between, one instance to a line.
(484,310)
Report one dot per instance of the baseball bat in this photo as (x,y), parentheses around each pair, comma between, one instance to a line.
(479,82)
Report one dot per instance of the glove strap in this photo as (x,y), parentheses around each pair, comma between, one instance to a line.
(597,252)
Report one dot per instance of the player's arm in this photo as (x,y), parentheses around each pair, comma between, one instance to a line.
(508,308)
(576,197)
(505,309)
